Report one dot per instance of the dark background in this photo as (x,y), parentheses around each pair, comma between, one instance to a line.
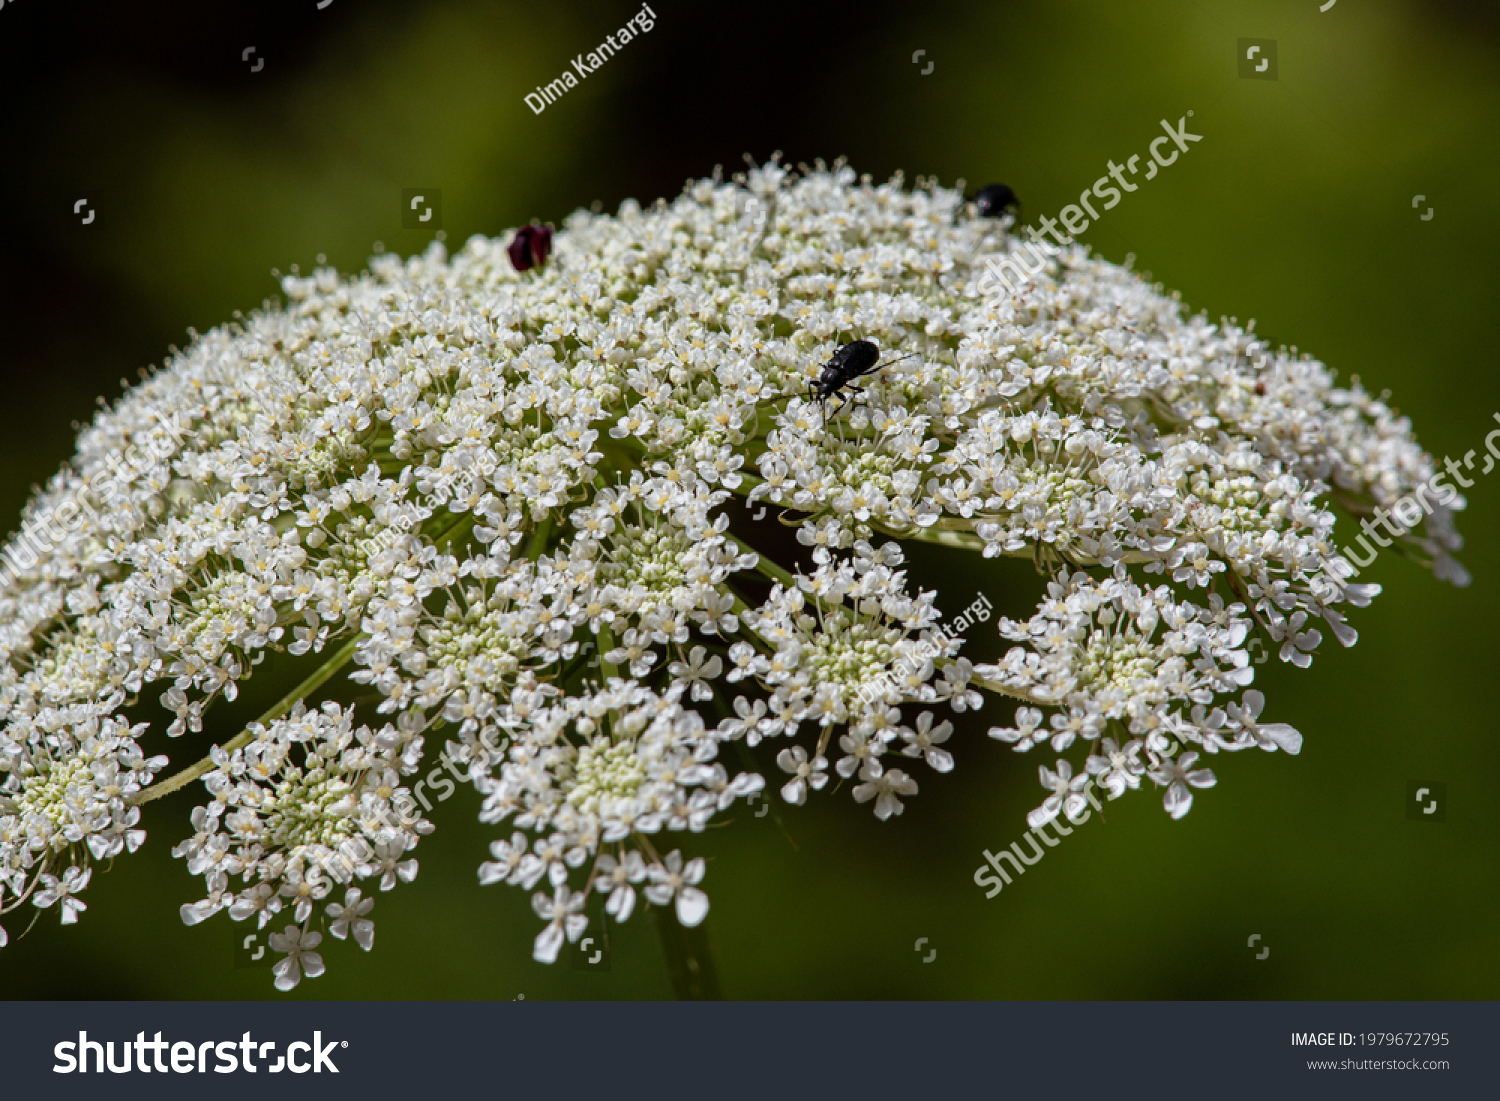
(1295,209)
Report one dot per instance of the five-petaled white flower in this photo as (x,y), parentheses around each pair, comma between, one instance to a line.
(1118,766)
(923,742)
(1065,797)
(301,959)
(1024,733)
(674,880)
(618,877)
(697,672)
(884,788)
(806,773)
(350,917)
(1269,736)
(563,913)
(1176,776)
(63,892)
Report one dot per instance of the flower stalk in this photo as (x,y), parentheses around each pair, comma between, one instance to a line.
(315,680)
(690,961)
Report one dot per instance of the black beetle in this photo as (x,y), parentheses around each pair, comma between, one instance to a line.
(994,200)
(530,247)
(858,357)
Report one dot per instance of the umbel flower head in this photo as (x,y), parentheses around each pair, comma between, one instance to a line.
(497,504)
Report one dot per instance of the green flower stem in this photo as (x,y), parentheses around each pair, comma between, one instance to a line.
(454,531)
(963,540)
(751,766)
(748,633)
(690,963)
(539,539)
(967,540)
(319,677)
(773,570)
(606,644)
(995,686)
(316,680)
(623,453)
(1237,586)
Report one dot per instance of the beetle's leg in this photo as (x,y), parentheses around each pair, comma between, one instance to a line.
(847,401)
(836,412)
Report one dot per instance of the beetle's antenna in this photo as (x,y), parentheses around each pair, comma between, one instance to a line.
(888,362)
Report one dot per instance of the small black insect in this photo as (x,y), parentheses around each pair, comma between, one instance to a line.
(994,200)
(853,360)
(530,247)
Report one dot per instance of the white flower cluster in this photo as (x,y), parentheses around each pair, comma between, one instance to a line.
(595,777)
(847,658)
(465,479)
(309,803)
(1113,656)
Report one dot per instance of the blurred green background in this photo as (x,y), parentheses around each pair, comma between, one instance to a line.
(1296,210)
